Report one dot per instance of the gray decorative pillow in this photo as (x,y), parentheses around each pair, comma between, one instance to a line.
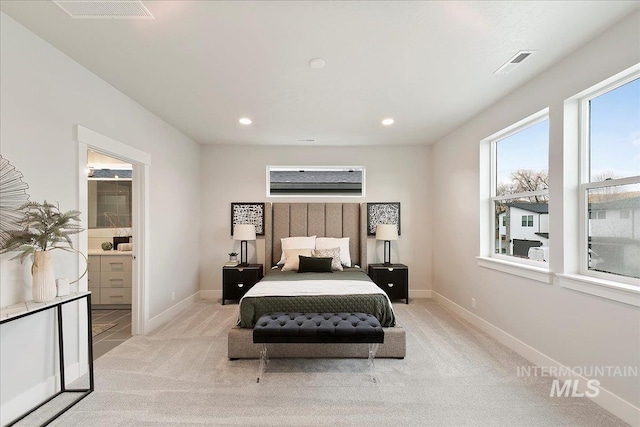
(330,253)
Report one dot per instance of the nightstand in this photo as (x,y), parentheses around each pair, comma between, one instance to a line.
(236,281)
(393,279)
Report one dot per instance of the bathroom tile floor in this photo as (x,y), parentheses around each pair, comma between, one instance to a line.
(111,338)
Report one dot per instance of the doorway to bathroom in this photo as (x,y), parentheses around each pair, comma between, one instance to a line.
(137,244)
(110,249)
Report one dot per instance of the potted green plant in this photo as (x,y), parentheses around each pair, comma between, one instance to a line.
(43,228)
(233,256)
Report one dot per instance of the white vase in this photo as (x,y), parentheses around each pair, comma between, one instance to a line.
(43,278)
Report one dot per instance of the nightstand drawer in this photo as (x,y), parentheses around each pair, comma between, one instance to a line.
(242,275)
(236,281)
(394,280)
(236,290)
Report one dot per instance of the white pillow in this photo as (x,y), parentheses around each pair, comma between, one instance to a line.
(292,261)
(297,243)
(333,242)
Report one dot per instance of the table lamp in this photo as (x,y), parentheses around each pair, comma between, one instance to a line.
(244,232)
(387,232)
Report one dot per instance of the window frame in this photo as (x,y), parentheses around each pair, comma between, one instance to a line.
(493,140)
(585,184)
(527,220)
(488,258)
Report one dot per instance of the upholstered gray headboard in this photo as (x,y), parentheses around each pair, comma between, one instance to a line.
(320,219)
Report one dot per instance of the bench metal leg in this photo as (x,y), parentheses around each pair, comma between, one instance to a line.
(264,359)
(373,348)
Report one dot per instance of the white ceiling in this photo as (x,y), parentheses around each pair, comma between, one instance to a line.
(201,65)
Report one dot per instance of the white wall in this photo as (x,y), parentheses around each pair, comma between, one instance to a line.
(43,95)
(393,174)
(573,328)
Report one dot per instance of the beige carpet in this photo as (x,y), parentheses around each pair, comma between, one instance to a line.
(453,375)
(97,329)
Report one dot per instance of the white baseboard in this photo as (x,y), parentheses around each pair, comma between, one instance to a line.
(211,294)
(37,394)
(420,293)
(606,399)
(171,312)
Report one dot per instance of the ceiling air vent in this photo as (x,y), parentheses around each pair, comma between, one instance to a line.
(514,61)
(105,9)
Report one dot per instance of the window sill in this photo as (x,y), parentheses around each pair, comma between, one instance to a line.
(539,274)
(621,292)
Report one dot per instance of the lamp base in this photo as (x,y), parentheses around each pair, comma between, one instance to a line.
(243,254)
(387,253)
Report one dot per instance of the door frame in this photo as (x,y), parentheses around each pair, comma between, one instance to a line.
(90,140)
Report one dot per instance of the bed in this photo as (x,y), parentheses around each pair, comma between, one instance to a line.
(350,290)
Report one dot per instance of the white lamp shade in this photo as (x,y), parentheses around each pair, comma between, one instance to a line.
(387,232)
(244,232)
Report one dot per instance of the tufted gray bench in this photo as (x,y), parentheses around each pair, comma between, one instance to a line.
(318,328)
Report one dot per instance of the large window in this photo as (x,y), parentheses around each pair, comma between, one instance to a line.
(594,147)
(315,181)
(520,190)
(610,181)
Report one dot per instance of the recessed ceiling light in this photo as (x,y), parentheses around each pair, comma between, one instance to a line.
(387,122)
(245,121)
(317,63)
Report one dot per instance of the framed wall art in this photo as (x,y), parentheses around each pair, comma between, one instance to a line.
(248,213)
(382,213)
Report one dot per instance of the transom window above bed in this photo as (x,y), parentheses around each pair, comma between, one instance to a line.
(315,181)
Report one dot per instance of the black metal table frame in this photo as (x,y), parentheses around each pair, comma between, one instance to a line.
(63,388)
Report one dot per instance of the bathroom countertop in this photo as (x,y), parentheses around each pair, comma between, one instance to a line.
(101,252)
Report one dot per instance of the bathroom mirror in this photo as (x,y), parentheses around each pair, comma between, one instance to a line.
(110,192)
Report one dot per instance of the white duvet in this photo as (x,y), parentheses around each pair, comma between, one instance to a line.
(314,287)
